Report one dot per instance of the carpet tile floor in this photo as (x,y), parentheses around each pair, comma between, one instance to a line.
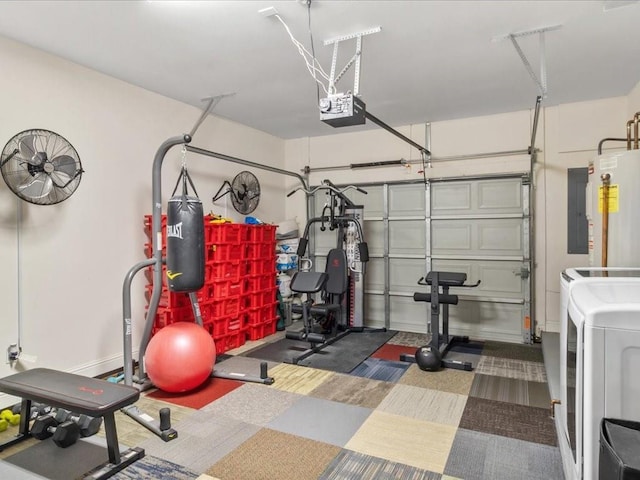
(383,420)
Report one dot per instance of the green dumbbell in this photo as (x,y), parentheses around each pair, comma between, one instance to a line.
(64,434)
(10,417)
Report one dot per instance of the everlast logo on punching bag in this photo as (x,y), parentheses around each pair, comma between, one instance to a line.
(175,230)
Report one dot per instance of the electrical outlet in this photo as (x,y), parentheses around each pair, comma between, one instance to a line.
(13,352)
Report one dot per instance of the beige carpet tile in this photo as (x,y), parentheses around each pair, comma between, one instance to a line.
(296,379)
(418,443)
(513,390)
(424,404)
(272,455)
(446,380)
(353,390)
(505,367)
(410,339)
(253,403)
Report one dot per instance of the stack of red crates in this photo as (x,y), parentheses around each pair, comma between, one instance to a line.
(238,300)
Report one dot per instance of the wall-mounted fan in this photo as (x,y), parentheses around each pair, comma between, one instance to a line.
(244,190)
(41,167)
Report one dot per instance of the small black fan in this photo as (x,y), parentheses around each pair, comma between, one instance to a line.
(244,190)
(41,167)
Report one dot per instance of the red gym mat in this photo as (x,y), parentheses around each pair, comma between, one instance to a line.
(206,393)
(391,351)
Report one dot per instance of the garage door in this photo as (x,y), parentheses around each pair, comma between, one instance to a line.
(478,226)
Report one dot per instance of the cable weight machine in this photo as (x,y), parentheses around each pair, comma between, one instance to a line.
(341,285)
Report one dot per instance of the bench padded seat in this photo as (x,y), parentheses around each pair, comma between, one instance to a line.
(73,392)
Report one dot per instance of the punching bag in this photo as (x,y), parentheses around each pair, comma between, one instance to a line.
(185,239)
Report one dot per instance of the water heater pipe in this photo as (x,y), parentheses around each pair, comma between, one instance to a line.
(606,182)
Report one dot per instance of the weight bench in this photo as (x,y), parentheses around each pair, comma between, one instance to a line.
(84,395)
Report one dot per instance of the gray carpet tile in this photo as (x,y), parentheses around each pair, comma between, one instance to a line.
(362,392)
(203,439)
(506,367)
(350,465)
(509,420)
(523,392)
(322,420)
(482,456)
(380,369)
(514,351)
(253,403)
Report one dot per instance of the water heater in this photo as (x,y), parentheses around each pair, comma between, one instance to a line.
(613,202)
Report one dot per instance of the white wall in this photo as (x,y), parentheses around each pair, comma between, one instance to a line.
(73,257)
(567,136)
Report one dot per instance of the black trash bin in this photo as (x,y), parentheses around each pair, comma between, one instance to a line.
(619,450)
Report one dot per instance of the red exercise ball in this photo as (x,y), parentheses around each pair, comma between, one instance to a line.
(180,357)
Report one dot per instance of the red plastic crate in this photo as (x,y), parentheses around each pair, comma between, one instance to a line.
(260,251)
(168,299)
(221,289)
(229,342)
(259,315)
(261,233)
(260,298)
(225,307)
(256,332)
(223,232)
(223,252)
(229,270)
(255,283)
(261,267)
(166,316)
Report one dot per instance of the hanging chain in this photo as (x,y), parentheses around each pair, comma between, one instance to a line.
(184,157)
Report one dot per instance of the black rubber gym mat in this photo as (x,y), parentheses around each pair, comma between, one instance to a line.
(342,356)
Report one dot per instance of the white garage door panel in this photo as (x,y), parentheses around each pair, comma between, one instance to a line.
(374,308)
(477,197)
(499,279)
(407,315)
(500,196)
(373,200)
(404,274)
(486,320)
(406,200)
(450,198)
(374,236)
(477,237)
(407,237)
(374,276)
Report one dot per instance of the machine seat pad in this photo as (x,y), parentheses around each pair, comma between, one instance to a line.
(308,282)
(449,279)
(77,393)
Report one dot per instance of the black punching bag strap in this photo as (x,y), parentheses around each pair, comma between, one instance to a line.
(184,176)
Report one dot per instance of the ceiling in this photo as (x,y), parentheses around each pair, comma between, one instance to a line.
(431,61)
